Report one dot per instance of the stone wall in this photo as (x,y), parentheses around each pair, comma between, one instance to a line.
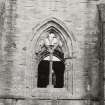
(21,18)
(102,27)
(2,58)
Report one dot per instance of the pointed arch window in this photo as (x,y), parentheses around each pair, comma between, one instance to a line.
(38,58)
(51,68)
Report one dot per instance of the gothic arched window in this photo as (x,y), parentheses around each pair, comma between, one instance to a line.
(49,55)
(51,68)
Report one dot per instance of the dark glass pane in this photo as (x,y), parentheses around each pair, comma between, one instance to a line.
(57,75)
(43,74)
(59,68)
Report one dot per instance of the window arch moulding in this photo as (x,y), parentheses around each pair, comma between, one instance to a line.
(68,40)
(61,28)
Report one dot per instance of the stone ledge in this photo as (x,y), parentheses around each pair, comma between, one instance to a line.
(51,93)
(44,97)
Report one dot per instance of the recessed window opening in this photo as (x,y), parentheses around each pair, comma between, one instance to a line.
(51,67)
(56,76)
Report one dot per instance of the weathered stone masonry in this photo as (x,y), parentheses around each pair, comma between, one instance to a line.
(23,22)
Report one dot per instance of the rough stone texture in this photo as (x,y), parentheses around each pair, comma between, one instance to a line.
(18,20)
(102,27)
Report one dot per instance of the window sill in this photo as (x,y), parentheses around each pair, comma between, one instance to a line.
(50,93)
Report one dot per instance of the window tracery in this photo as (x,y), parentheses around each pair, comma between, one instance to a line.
(63,49)
(51,42)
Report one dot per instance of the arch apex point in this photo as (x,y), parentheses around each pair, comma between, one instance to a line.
(54,22)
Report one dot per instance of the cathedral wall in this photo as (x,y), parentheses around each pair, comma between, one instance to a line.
(22,17)
(81,21)
(102,22)
(48,102)
(3,75)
